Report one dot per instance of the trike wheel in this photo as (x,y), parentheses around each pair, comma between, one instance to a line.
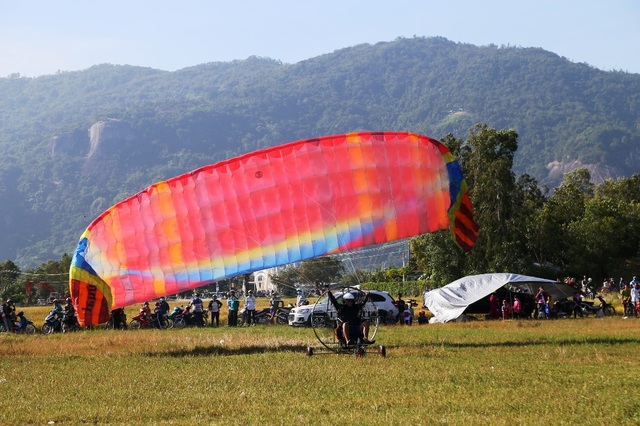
(382,351)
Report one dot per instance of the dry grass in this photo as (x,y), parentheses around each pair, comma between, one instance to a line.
(513,372)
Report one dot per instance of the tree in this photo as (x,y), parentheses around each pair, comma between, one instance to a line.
(606,232)
(438,257)
(502,206)
(487,165)
(9,274)
(318,271)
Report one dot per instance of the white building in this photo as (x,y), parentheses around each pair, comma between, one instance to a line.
(262,280)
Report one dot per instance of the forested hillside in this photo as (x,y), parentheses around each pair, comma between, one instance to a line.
(75,143)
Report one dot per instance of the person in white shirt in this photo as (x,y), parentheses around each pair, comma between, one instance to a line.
(300,299)
(635,296)
(250,307)
(214,311)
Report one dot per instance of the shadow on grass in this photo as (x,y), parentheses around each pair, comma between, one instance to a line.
(216,350)
(540,342)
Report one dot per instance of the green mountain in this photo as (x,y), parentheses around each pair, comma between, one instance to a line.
(75,143)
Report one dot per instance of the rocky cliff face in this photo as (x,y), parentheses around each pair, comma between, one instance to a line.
(71,144)
(108,137)
(599,172)
(104,138)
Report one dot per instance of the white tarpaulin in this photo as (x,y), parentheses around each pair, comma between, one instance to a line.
(449,302)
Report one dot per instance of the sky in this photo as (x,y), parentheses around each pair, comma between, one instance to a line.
(45,37)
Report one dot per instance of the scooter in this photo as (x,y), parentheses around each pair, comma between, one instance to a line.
(282,315)
(52,322)
(143,321)
(70,323)
(607,309)
(261,316)
(181,317)
(20,325)
(117,320)
(600,310)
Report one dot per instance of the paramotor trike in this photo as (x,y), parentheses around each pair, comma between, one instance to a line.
(327,326)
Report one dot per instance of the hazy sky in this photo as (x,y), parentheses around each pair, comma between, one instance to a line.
(46,36)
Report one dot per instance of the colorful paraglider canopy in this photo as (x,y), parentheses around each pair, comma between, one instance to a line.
(267,208)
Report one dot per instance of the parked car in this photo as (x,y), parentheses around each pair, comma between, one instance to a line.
(383,301)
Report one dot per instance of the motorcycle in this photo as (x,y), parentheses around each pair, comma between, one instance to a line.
(261,316)
(181,317)
(282,315)
(24,325)
(142,320)
(600,310)
(119,317)
(606,307)
(52,322)
(70,323)
(20,325)
(564,308)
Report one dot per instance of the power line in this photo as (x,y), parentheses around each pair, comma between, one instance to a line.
(12,272)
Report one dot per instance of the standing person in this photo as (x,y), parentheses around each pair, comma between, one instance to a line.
(146,314)
(577,304)
(233,303)
(542,298)
(214,310)
(250,307)
(625,294)
(494,306)
(9,315)
(506,309)
(584,284)
(164,306)
(635,297)
(198,309)
(4,319)
(157,311)
(274,304)
(401,306)
(517,308)
(119,319)
(408,313)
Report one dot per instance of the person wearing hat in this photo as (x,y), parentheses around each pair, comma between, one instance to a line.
(69,313)
(349,315)
(233,303)
(250,307)
(198,310)
(9,315)
(300,300)
(214,310)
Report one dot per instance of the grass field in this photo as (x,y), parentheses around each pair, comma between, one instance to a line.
(583,371)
